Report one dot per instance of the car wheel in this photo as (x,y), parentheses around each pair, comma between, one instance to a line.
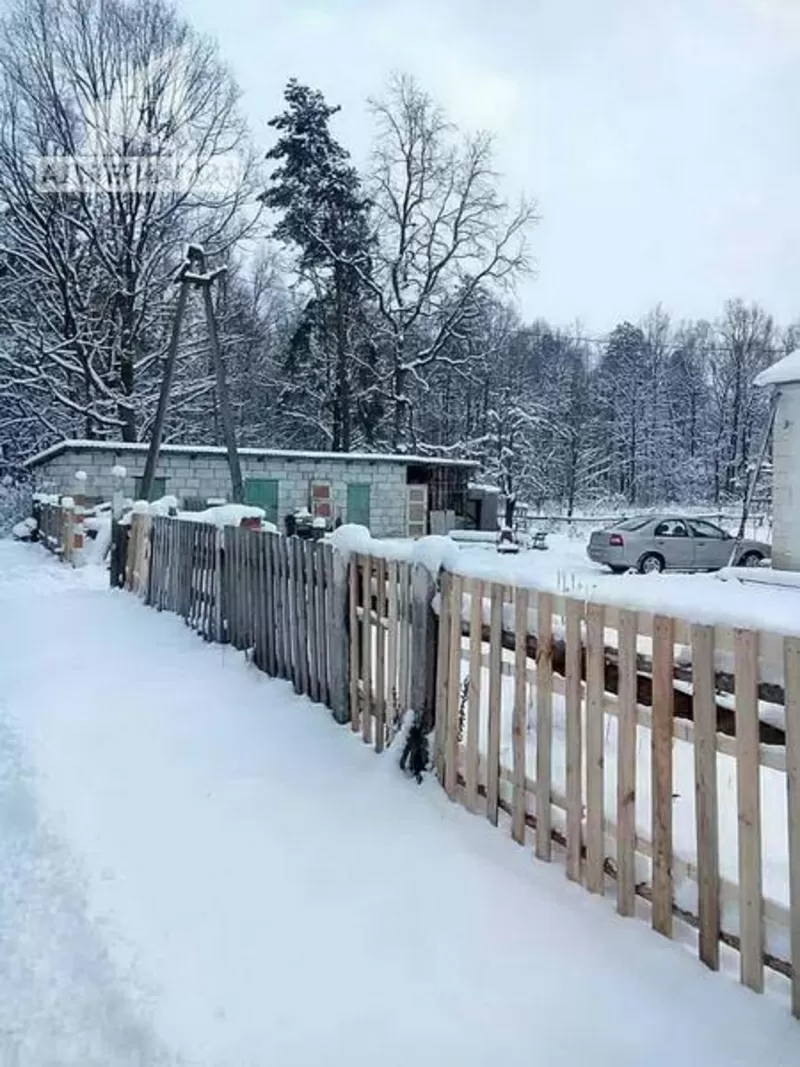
(751,559)
(652,563)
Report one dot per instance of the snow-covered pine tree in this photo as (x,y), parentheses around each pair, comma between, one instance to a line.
(323,214)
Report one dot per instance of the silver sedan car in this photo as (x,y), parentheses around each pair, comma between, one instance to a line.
(653,543)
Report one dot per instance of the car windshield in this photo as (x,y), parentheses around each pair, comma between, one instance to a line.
(630,524)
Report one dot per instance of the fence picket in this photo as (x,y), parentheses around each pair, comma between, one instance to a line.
(312,621)
(474,705)
(366,651)
(281,649)
(519,723)
(573,740)
(595,740)
(392,645)
(380,654)
(453,687)
(748,793)
(323,621)
(403,635)
(661,771)
(792,683)
(705,774)
(355,634)
(626,764)
(544,725)
(495,702)
(442,671)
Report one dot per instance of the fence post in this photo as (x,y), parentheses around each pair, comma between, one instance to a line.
(67,531)
(340,639)
(424,644)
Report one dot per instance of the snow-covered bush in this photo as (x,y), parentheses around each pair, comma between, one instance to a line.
(15,503)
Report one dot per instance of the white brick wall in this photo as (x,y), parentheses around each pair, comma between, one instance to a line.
(207,476)
(786,481)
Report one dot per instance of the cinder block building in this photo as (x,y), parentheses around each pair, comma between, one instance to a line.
(393,495)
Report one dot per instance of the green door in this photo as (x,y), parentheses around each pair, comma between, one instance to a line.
(263,493)
(158,490)
(358,504)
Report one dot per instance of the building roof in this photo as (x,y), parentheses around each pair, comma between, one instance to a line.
(784,372)
(258,453)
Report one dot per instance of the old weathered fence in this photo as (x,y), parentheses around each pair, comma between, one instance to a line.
(282,599)
(59,527)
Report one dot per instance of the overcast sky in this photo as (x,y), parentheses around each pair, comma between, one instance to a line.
(661,138)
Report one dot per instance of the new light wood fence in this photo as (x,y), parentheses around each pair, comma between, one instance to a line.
(537,735)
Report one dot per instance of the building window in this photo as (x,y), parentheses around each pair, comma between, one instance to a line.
(358,494)
(158,489)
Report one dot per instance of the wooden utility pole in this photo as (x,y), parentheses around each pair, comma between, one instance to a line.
(193,274)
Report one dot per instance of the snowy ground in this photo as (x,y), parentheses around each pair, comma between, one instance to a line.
(199,868)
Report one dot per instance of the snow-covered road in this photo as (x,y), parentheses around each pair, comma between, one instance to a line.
(199,868)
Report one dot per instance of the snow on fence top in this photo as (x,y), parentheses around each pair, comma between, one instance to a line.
(784,372)
(266,453)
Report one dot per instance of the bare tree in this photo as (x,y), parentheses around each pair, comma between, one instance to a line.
(120,139)
(443,233)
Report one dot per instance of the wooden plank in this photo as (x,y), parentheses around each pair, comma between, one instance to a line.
(312,619)
(792,682)
(293,612)
(519,720)
(259,539)
(626,764)
(661,773)
(392,648)
(474,703)
(706,801)
(595,741)
(495,702)
(366,651)
(355,590)
(574,753)
(442,672)
(320,585)
(403,630)
(270,629)
(544,725)
(453,687)
(380,655)
(301,611)
(748,792)
(287,613)
(286,608)
(407,637)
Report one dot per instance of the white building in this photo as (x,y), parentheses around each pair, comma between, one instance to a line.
(784,378)
(395,496)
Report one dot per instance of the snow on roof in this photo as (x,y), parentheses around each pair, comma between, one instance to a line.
(265,453)
(783,372)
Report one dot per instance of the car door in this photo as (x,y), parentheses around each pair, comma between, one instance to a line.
(712,546)
(673,542)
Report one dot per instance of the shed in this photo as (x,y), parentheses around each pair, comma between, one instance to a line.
(393,495)
(784,378)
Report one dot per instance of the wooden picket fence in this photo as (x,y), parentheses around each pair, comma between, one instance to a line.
(380,629)
(554,716)
(556,658)
(280,599)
